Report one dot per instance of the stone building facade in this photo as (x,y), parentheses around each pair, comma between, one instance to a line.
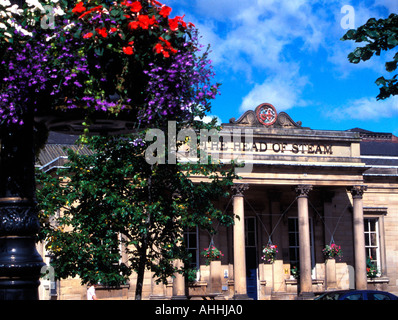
(300,189)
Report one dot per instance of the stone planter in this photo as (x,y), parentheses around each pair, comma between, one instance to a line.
(215,281)
(330,268)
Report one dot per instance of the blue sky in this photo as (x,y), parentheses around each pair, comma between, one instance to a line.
(289,53)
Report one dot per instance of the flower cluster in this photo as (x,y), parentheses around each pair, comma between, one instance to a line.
(211,254)
(269,253)
(23,82)
(128,21)
(295,272)
(371,268)
(101,56)
(181,88)
(332,251)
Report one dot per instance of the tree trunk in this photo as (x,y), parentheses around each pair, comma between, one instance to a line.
(144,247)
(141,270)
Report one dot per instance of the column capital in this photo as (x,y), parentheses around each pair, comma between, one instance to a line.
(239,188)
(357,191)
(302,190)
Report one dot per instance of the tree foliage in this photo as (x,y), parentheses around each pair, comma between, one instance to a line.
(379,35)
(113,197)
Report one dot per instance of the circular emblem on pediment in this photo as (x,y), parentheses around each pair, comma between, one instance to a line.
(266,114)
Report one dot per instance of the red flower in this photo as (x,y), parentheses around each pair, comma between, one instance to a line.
(88,35)
(156,2)
(165,11)
(79,8)
(133,25)
(102,32)
(135,6)
(173,23)
(158,48)
(97,8)
(143,21)
(165,49)
(128,50)
(113,30)
(168,44)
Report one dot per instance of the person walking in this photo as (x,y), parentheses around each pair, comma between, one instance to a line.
(91,292)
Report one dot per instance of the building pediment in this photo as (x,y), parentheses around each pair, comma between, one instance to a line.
(265,115)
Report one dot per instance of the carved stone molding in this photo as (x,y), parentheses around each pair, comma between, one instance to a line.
(303,190)
(357,191)
(250,119)
(285,121)
(239,189)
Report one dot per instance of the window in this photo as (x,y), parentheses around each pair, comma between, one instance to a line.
(250,232)
(371,226)
(354,296)
(294,244)
(293,241)
(377,296)
(191,243)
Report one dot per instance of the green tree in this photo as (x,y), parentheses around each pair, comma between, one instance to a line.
(114,197)
(379,35)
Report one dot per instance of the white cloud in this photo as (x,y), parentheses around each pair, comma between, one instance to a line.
(338,50)
(391,5)
(209,118)
(246,35)
(272,43)
(281,91)
(367,108)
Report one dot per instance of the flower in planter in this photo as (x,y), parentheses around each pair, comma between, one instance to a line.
(269,251)
(295,272)
(332,251)
(371,268)
(211,254)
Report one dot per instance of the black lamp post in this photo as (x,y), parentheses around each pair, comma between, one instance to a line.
(20,262)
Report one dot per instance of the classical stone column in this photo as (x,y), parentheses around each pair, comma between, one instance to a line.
(359,237)
(239,243)
(304,239)
(179,283)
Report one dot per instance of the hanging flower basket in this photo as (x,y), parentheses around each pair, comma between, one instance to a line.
(211,254)
(332,251)
(371,269)
(269,253)
(130,60)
